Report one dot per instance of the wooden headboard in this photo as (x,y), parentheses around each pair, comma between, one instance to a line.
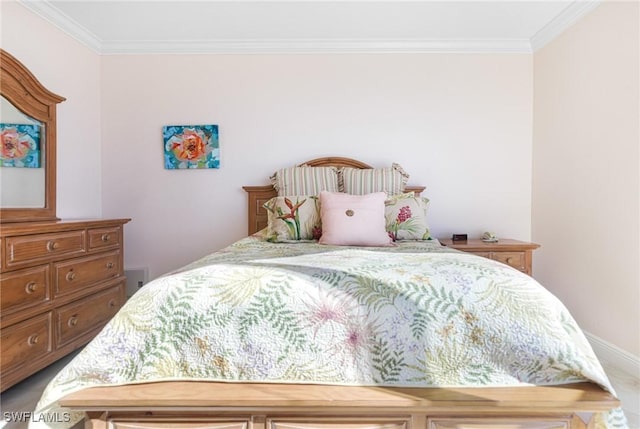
(258,195)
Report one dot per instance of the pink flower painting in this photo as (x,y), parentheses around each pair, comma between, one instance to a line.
(191,146)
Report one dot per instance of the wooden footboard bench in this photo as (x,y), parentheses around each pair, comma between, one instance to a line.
(202,405)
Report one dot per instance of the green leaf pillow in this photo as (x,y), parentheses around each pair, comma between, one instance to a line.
(293,218)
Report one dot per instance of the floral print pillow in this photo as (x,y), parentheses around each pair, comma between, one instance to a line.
(292,219)
(406,217)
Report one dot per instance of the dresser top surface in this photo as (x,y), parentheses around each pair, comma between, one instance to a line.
(23,228)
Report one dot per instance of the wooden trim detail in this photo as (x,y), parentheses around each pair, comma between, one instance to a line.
(27,94)
(304,406)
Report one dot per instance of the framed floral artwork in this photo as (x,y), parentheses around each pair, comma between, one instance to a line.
(20,145)
(191,146)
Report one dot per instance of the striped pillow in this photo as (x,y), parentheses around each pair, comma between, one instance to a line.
(305,180)
(356,181)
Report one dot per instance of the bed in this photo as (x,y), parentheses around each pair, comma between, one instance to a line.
(304,335)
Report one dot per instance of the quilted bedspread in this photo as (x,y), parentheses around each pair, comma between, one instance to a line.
(418,314)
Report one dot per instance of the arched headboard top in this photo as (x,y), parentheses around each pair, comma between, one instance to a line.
(336,161)
(258,195)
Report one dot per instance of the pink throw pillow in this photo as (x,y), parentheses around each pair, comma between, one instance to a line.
(353,220)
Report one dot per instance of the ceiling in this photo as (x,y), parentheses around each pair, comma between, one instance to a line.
(308,26)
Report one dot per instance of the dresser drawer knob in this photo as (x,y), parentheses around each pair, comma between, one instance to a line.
(52,245)
(71,276)
(105,237)
(112,303)
(73,321)
(509,260)
(33,339)
(110,265)
(30,287)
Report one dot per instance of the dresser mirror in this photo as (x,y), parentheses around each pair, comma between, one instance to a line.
(27,146)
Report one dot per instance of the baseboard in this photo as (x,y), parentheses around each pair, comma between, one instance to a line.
(614,356)
(623,370)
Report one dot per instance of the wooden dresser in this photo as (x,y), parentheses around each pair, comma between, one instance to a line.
(518,254)
(60,282)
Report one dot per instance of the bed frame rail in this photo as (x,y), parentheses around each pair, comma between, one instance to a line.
(300,406)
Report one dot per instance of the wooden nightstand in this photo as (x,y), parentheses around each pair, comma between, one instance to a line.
(517,254)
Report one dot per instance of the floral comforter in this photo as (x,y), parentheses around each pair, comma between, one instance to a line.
(418,314)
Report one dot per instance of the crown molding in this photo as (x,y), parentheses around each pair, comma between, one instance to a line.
(316,46)
(565,19)
(50,13)
(45,10)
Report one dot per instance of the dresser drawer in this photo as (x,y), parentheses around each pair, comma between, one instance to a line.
(24,288)
(82,316)
(514,259)
(44,247)
(102,238)
(25,342)
(70,276)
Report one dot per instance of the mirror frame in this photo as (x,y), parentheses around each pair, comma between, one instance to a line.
(28,95)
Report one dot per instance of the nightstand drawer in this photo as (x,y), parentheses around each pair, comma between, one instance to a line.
(514,259)
(517,254)
(483,254)
(79,273)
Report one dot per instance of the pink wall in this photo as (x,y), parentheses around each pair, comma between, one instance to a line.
(586,175)
(459,124)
